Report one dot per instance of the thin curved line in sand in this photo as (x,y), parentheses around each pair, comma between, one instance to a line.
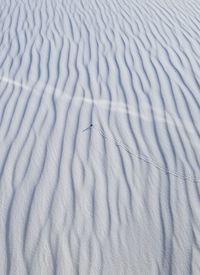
(105,104)
(141,157)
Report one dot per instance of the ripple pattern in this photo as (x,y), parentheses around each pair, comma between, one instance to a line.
(99,137)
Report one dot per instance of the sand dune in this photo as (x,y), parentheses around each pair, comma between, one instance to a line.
(119,197)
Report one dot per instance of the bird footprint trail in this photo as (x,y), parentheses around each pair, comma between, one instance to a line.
(104,199)
(141,157)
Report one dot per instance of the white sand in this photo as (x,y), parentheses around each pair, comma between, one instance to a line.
(123,196)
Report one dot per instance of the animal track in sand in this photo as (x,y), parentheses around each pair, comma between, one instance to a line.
(141,157)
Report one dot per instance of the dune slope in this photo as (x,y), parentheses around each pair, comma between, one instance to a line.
(99,137)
